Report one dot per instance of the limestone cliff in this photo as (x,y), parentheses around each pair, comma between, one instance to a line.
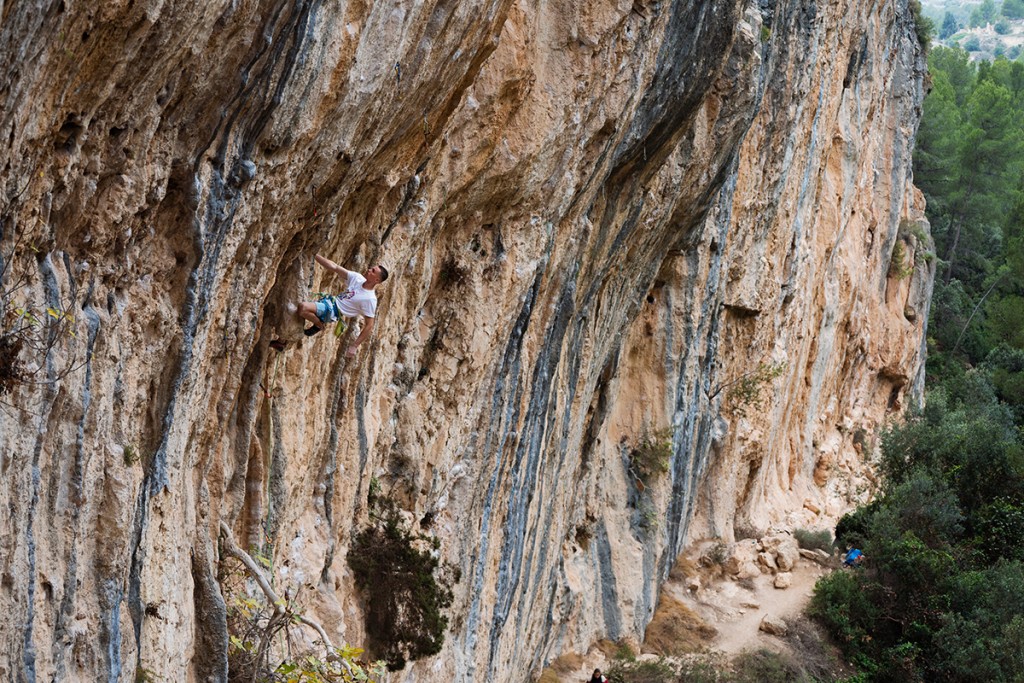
(601,218)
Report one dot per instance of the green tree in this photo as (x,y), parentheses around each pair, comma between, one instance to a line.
(1005,368)
(1014,9)
(1008,74)
(949,26)
(990,145)
(988,11)
(956,64)
(943,595)
(935,159)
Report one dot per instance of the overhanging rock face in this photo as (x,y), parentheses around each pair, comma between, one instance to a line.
(600,218)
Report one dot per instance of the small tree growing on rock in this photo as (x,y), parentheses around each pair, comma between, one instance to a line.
(650,457)
(405,587)
(745,392)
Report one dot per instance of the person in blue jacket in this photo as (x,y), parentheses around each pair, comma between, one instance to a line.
(854,558)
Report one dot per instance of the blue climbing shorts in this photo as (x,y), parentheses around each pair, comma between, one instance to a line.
(326,310)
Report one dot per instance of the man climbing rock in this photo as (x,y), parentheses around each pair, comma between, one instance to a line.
(359,299)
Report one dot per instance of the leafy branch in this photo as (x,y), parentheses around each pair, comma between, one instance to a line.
(744,392)
(341,664)
(28,330)
(650,457)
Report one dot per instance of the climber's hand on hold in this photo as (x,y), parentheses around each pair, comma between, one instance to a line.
(351,351)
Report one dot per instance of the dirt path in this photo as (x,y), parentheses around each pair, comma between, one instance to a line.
(734,608)
(737,611)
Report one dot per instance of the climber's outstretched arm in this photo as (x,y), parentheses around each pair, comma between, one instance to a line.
(331,265)
(364,334)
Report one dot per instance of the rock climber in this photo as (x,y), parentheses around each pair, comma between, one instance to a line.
(359,299)
(597,677)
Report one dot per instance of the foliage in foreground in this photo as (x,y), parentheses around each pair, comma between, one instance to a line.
(261,645)
(30,331)
(942,597)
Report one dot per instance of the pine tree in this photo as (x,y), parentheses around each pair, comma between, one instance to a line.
(956,64)
(950,25)
(1013,9)
(989,159)
(935,159)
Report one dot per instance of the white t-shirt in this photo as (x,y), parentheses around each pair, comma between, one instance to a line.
(357,300)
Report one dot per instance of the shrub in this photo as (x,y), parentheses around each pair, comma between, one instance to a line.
(404,597)
(659,671)
(624,652)
(745,392)
(814,540)
(944,583)
(650,457)
(703,670)
(923,26)
(898,266)
(1003,27)
(1013,9)
(765,666)
(715,555)
(258,632)
(29,328)
(972,43)
(1000,532)
(841,603)
(852,529)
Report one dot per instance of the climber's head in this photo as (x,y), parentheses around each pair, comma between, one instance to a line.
(376,275)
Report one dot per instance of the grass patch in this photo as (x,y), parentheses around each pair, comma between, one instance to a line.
(549,676)
(814,540)
(676,629)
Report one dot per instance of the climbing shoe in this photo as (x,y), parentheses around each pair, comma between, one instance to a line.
(310,331)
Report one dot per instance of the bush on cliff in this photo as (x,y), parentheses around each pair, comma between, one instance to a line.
(651,456)
(405,596)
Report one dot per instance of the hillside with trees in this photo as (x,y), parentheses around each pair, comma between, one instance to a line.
(986,29)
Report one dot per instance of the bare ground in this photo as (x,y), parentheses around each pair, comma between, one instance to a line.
(721,619)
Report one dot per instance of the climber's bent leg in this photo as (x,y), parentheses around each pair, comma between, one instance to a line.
(312,311)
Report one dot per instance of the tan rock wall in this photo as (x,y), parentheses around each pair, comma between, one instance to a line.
(595,216)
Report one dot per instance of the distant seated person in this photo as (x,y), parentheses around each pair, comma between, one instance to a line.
(597,677)
(359,299)
(854,558)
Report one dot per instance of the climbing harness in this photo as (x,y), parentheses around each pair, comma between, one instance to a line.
(332,301)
